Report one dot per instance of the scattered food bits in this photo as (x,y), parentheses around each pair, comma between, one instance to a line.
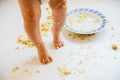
(25,41)
(45,27)
(27,72)
(37,71)
(64,70)
(49,17)
(47,8)
(25,64)
(74,37)
(80,63)
(69,34)
(81,36)
(97,20)
(15,69)
(114,47)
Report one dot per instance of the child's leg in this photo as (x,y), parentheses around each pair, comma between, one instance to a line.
(31,14)
(59,15)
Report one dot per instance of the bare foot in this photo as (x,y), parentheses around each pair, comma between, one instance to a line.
(44,56)
(57,41)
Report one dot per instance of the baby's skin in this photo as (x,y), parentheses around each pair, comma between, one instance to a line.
(31,12)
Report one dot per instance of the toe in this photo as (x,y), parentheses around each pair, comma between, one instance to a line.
(62,44)
(51,59)
(48,61)
(56,46)
(59,44)
(43,61)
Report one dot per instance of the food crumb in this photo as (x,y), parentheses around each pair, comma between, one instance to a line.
(15,69)
(37,71)
(26,71)
(69,34)
(114,47)
(80,63)
(47,8)
(81,36)
(49,17)
(25,41)
(64,70)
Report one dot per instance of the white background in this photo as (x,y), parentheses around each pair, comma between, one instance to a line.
(99,61)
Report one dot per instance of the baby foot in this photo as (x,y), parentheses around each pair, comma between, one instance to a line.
(57,41)
(44,56)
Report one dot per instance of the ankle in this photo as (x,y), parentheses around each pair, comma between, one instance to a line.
(39,46)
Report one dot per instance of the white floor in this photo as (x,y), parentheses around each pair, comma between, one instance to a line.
(99,60)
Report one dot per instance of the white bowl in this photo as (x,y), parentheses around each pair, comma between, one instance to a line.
(85,21)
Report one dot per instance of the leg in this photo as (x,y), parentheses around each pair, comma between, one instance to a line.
(31,14)
(59,16)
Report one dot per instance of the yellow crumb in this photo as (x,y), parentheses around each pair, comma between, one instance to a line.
(15,69)
(26,71)
(44,28)
(25,41)
(49,17)
(37,71)
(114,47)
(97,20)
(64,70)
(69,34)
(81,36)
(79,63)
(47,8)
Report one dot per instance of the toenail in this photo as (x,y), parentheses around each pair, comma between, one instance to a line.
(43,61)
(48,60)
